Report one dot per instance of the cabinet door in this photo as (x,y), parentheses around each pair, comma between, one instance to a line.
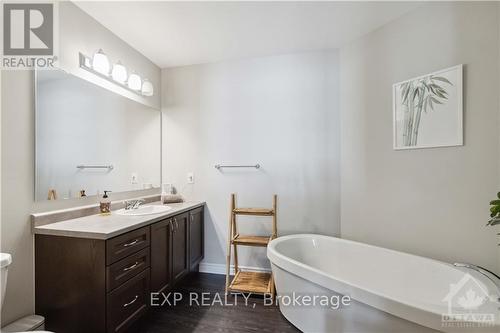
(180,259)
(161,271)
(196,238)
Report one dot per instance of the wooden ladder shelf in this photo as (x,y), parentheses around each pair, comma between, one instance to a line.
(243,281)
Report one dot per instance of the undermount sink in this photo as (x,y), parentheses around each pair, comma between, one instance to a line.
(143,210)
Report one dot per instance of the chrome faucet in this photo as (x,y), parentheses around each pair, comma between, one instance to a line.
(133,204)
(495,279)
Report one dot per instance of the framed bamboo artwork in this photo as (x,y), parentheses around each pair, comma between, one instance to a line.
(428,110)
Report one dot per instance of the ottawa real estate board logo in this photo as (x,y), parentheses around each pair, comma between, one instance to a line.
(28,36)
(470,305)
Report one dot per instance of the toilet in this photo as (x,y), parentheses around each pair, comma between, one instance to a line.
(23,325)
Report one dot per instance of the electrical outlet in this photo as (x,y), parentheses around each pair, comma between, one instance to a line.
(134,178)
(190,178)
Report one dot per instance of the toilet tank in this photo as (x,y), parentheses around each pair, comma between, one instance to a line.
(5,261)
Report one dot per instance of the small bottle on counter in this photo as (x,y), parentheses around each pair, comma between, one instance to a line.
(166,190)
(105,204)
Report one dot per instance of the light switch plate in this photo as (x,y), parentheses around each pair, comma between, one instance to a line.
(134,178)
(190,178)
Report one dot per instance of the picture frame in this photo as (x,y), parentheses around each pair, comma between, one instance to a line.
(428,110)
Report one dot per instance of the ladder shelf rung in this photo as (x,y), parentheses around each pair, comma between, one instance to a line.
(251,282)
(251,240)
(254,211)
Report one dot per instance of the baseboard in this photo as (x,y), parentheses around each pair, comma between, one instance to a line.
(221,268)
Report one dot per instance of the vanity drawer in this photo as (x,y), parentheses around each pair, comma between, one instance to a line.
(121,246)
(128,302)
(126,268)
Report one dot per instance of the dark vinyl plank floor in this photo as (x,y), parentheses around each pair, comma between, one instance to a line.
(253,316)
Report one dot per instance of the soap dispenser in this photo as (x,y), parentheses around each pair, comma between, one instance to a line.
(105,204)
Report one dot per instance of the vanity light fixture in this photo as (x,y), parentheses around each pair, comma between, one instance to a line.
(134,82)
(100,62)
(119,73)
(147,88)
(100,65)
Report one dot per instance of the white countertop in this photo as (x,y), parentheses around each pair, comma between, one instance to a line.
(105,227)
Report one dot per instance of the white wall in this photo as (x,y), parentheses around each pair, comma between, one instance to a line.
(431,202)
(17,159)
(281,112)
(17,191)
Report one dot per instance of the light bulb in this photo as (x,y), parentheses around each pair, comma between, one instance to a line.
(119,73)
(100,63)
(134,82)
(147,88)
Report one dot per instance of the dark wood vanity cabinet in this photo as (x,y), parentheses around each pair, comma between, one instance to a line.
(176,248)
(161,256)
(70,283)
(196,238)
(89,285)
(180,249)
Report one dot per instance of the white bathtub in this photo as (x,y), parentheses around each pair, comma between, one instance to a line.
(390,291)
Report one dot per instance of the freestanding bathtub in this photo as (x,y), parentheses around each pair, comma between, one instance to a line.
(390,291)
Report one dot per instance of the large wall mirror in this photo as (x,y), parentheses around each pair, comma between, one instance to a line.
(89,139)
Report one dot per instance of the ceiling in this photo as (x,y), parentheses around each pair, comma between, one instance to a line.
(185,33)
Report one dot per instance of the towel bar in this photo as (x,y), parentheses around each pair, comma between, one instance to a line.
(109,167)
(219,166)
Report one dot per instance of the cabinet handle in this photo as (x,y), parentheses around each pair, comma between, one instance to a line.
(131,302)
(176,224)
(171,226)
(192,217)
(135,241)
(131,267)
